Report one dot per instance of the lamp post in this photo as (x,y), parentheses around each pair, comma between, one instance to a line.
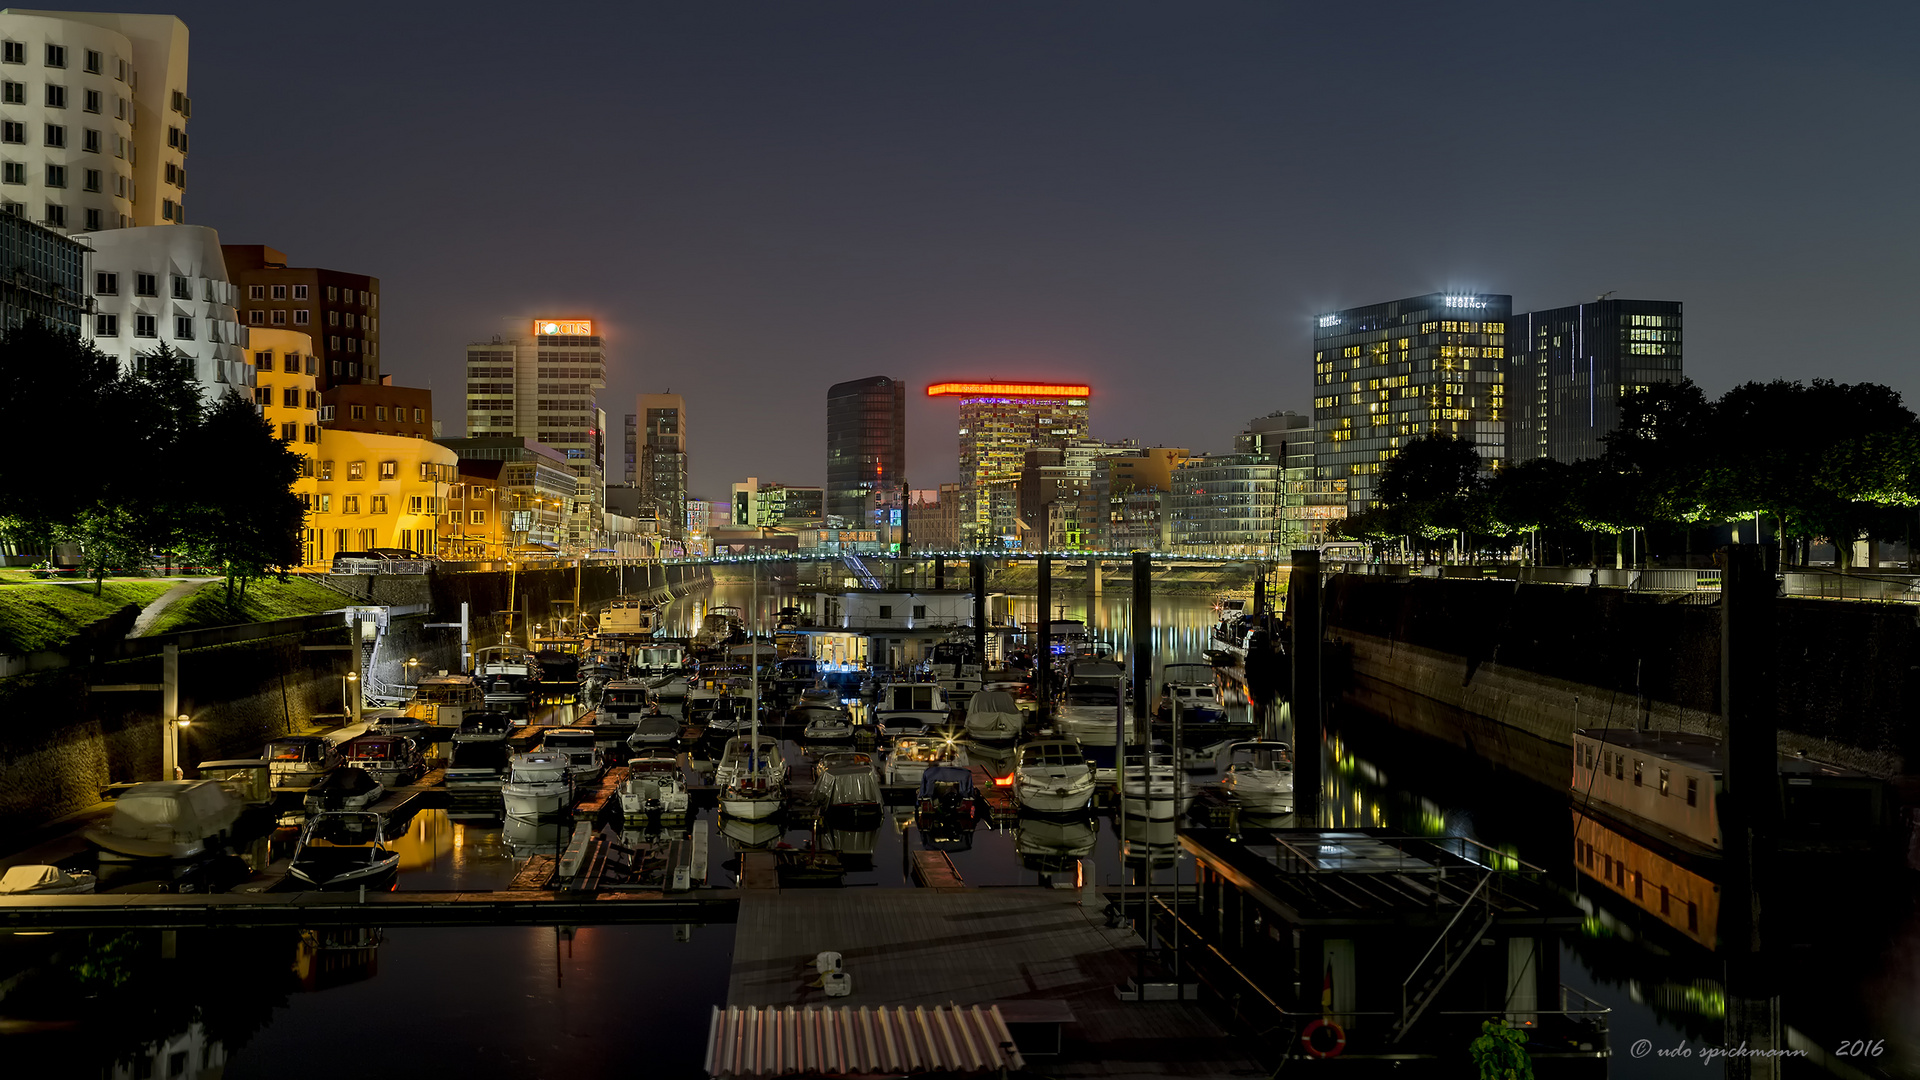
(413,670)
(350,696)
(179,740)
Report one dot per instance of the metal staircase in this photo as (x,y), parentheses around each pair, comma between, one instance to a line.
(867,577)
(1448,952)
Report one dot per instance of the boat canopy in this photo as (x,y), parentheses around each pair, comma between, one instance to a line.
(20,879)
(992,701)
(184,808)
(846,785)
(936,775)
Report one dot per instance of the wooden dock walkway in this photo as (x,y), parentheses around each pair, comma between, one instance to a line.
(609,788)
(1002,807)
(935,870)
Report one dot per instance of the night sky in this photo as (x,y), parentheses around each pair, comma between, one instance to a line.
(756,200)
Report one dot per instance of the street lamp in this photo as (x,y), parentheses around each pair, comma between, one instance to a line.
(179,737)
(413,670)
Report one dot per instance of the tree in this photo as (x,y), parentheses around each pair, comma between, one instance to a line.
(52,383)
(245,518)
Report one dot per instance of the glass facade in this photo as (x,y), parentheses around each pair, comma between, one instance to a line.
(661,459)
(1388,373)
(1227,504)
(866,444)
(1568,369)
(995,434)
(44,282)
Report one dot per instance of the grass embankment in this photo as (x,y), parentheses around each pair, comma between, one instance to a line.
(42,615)
(265,601)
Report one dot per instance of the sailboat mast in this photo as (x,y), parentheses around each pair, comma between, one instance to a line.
(753,641)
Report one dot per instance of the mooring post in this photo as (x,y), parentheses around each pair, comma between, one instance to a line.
(1142,635)
(1303,609)
(1749,806)
(1093,578)
(939,571)
(979,568)
(1043,670)
(169,709)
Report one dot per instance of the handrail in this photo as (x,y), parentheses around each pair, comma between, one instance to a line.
(1441,940)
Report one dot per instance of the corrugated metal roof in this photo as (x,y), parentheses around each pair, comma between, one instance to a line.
(847,1041)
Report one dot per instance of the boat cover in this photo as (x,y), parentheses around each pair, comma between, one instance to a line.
(21,879)
(993,701)
(174,809)
(946,774)
(850,785)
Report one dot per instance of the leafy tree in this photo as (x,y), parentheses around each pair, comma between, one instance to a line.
(1500,1053)
(52,386)
(245,518)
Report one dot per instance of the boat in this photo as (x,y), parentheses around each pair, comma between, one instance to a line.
(654,787)
(484,727)
(343,849)
(1093,712)
(753,796)
(734,758)
(994,716)
(387,722)
(168,819)
(1052,776)
(839,757)
(42,880)
(346,788)
(743,835)
(658,659)
(476,771)
(912,754)
(508,677)
(795,674)
(558,659)
(1259,776)
(949,659)
(846,791)
(669,691)
(828,725)
(1190,693)
(623,702)
(584,759)
(721,626)
(912,708)
(1155,789)
(654,729)
(539,784)
(629,616)
(947,803)
(444,700)
(299,761)
(394,759)
(1054,845)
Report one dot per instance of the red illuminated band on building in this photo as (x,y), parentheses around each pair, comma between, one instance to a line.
(998,389)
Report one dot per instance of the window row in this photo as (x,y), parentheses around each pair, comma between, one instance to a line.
(55,176)
(307,432)
(54,136)
(259,292)
(15,52)
(278,317)
(290,397)
(54,96)
(359,412)
(290,363)
(147,326)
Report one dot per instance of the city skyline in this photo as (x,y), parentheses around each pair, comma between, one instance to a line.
(1125,200)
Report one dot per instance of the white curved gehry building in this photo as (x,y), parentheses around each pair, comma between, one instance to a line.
(93,118)
(167,285)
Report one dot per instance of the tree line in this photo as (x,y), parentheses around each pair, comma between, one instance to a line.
(1821,461)
(137,468)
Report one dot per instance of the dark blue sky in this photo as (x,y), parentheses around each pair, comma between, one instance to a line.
(759,199)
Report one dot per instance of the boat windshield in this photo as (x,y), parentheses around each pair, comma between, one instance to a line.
(1092,694)
(1043,754)
(1263,756)
(296,752)
(914,698)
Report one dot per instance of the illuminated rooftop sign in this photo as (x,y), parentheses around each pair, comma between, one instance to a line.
(565,327)
(1002,389)
(1466,302)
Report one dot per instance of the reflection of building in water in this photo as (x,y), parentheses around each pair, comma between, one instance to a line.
(189,1055)
(1656,884)
(334,957)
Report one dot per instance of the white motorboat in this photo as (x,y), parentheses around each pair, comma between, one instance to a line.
(45,881)
(394,759)
(1052,777)
(299,761)
(342,849)
(345,789)
(168,819)
(507,675)
(1259,776)
(994,716)
(912,754)
(623,702)
(538,785)
(390,722)
(736,759)
(754,796)
(1154,790)
(839,757)
(670,691)
(912,708)
(654,729)
(661,659)
(1190,693)
(654,787)
(827,725)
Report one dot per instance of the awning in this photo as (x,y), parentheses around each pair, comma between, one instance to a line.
(845,1041)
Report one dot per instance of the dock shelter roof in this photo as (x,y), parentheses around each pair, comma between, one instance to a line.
(844,1041)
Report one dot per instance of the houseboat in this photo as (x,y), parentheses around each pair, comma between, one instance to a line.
(444,700)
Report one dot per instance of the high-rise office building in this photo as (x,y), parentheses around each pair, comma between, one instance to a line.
(660,459)
(1568,368)
(546,388)
(1389,373)
(999,423)
(338,310)
(866,445)
(94,118)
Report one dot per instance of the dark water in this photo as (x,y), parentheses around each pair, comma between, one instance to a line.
(604,1001)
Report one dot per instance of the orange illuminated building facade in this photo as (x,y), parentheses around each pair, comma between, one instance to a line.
(999,423)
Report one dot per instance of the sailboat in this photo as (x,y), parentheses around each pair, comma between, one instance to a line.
(759,791)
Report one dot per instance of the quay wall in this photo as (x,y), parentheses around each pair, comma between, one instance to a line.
(1537,661)
(62,742)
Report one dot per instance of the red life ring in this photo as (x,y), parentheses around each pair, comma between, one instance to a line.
(1333,1039)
